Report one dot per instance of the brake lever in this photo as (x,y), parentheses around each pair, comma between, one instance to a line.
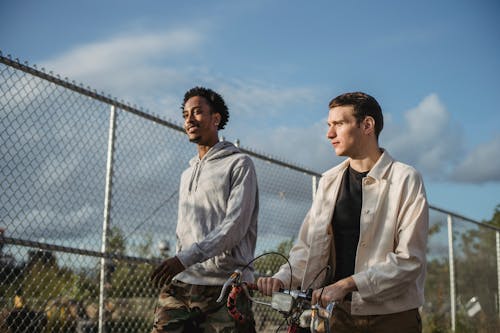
(319,313)
(235,276)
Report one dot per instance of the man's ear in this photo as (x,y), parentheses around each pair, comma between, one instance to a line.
(217,118)
(368,125)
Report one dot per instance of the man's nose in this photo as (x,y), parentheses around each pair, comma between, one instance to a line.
(189,117)
(330,134)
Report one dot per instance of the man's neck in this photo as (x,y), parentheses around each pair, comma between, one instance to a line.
(205,145)
(202,150)
(366,161)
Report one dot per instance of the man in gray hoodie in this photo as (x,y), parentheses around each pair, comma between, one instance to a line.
(216,228)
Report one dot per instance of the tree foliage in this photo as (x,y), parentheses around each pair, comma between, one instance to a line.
(270,263)
(475,276)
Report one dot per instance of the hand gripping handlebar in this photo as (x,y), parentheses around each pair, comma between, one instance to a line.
(291,303)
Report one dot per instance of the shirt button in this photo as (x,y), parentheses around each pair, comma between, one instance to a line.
(367,211)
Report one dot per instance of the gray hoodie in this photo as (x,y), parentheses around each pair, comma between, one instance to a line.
(217,219)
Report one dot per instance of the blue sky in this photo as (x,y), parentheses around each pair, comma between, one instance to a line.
(434,66)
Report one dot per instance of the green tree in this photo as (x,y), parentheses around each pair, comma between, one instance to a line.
(130,279)
(116,241)
(270,263)
(475,276)
(436,311)
(495,220)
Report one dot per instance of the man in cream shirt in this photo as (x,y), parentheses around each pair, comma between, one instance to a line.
(369,223)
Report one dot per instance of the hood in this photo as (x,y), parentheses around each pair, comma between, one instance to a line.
(219,150)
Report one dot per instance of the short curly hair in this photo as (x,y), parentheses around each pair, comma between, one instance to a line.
(214,99)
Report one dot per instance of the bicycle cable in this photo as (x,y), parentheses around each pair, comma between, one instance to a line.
(272,252)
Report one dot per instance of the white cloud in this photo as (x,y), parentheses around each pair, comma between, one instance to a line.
(432,142)
(480,165)
(128,67)
(132,68)
(428,140)
(303,146)
(122,53)
(256,98)
(138,69)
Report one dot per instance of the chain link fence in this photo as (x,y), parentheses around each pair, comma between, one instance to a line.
(88,205)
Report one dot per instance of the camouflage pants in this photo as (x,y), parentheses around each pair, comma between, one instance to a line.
(193,308)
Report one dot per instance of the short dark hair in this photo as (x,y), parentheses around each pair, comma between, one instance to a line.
(364,105)
(215,101)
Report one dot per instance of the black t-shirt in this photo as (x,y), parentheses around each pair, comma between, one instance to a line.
(345,222)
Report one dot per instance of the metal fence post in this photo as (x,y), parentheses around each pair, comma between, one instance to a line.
(451,261)
(107,209)
(314,186)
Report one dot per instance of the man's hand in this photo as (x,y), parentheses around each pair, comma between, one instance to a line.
(334,292)
(267,285)
(166,271)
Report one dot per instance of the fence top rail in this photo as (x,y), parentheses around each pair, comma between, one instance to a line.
(465,219)
(87,91)
(81,89)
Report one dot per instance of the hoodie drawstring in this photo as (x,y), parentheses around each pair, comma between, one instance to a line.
(193,176)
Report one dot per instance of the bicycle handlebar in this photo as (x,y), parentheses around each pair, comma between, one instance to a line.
(291,303)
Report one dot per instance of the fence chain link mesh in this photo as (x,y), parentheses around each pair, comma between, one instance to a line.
(54,148)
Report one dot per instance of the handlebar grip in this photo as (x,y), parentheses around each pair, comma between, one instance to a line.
(252,286)
(233,310)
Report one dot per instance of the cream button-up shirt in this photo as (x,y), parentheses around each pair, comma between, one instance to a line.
(390,263)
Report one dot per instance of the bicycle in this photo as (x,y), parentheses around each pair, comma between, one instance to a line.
(290,303)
